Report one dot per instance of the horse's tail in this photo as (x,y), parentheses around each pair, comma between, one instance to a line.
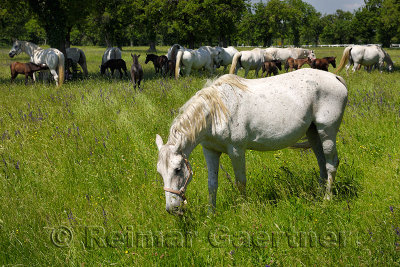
(345,57)
(235,60)
(82,59)
(61,68)
(178,63)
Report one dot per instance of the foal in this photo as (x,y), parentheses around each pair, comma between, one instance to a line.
(271,67)
(158,61)
(136,71)
(170,67)
(323,63)
(25,68)
(292,63)
(113,64)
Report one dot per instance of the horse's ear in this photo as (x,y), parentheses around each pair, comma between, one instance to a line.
(159,142)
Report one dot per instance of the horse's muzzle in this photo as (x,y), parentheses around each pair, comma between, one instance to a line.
(11,54)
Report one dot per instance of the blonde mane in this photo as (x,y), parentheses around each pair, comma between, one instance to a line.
(204,108)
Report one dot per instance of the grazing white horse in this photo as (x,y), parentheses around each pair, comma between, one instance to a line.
(227,55)
(53,58)
(283,54)
(193,59)
(215,55)
(249,60)
(367,55)
(78,57)
(235,114)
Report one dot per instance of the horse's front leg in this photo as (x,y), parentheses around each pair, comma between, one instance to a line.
(212,160)
(237,156)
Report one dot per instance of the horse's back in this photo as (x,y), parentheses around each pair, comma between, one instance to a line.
(275,112)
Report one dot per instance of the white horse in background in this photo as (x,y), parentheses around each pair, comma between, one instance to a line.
(53,58)
(367,55)
(235,114)
(249,60)
(215,55)
(110,53)
(78,57)
(193,59)
(173,50)
(227,55)
(283,54)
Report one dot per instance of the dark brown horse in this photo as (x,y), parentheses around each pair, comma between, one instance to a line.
(323,63)
(170,67)
(136,71)
(296,64)
(158,61)
(114,64)
(271,67)
(25,68)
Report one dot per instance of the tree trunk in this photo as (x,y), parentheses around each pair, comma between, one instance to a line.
(68,38)
(152,48)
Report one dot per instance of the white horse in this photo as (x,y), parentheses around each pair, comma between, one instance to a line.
(52,57)
(235,114)
(283,54)
(173,50)
(249,60)
(78,57)
(110,53)
(367,55)
(215,55)
(227,55)
(193,59)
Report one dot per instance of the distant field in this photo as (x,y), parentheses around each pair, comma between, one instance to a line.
(79,186)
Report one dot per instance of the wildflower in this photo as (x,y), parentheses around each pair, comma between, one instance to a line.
(391,208)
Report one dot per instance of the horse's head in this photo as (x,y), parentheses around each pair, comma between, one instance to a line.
(176,173)
(311,55)
(15,49)
(102,69)
(332,60)
(217,57)
(147,59)
(135,58)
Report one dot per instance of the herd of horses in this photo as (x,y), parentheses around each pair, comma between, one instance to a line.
(180,60)
(234,114)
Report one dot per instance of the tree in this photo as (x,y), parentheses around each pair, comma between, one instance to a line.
(388,22)
(57,18)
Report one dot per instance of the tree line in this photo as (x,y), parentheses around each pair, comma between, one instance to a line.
(192,23)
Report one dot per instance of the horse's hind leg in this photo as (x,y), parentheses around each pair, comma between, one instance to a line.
(327,134)
(237,156)
(55,76)
(212,160)
(316,145)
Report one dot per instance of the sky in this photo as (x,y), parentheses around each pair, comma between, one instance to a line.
(330,6)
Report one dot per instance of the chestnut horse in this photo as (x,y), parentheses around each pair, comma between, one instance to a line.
(271,67)
(25,68)
(323,63)
(296,64)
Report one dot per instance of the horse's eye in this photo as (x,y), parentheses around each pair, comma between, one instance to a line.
(177,170)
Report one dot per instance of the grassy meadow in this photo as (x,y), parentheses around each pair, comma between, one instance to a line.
(79,186)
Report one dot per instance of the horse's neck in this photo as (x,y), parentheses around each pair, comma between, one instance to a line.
(30,48)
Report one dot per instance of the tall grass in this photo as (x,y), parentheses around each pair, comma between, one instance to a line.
(81,160)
